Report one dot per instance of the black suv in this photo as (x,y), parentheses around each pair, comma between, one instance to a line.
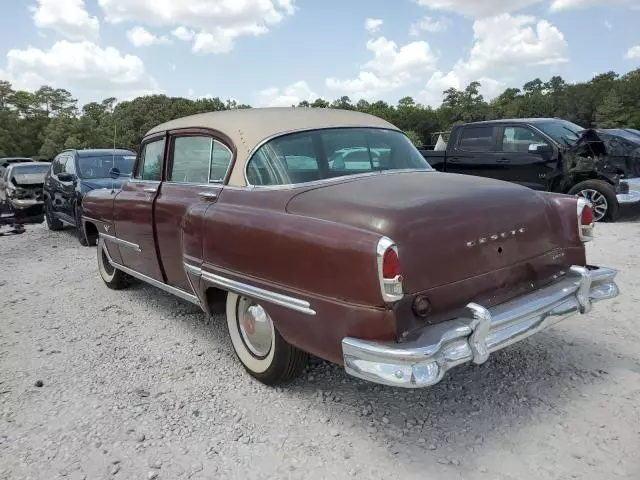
(73,173)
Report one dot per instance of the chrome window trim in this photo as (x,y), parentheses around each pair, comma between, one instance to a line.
(121,242)
(303,130)
(139,180)
(292,186)
(156,283)
(258,293)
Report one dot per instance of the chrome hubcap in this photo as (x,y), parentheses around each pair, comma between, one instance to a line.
(256,327)
(598,202)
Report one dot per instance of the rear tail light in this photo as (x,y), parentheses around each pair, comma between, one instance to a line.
(389,272)
(585,220)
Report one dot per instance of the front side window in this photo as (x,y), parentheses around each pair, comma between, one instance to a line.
(58,165)
(519,139)
(476,138)
(329,153)
(150,167)
(199,159)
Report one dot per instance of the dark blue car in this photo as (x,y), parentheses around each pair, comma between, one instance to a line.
(73,173)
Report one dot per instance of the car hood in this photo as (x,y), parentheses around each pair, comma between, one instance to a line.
(96,183)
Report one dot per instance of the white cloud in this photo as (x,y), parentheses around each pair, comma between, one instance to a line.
(69,18)
(477,8)
(608,25)
(633,53)
(183,33)
(141,37)
(291,95)
(390,68)
(372,25)
(428,24)
(81,67)
(557,5)
(212,25)
(502,45)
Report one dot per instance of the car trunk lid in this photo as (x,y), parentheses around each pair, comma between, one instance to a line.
(447,227)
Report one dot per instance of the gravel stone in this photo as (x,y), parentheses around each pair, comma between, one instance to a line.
(125,365)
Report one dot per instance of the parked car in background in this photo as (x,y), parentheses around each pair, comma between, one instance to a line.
(541,153)
(395,270)
(6,161)
(73,174)
(623,148)
(21,193)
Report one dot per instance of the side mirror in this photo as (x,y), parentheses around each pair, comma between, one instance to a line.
(114,172)
(539,148)
(66,177)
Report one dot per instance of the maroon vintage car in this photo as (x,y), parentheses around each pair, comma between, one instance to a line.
(325,232)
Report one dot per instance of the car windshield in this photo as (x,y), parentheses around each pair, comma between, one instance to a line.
(562,131)
(329,153)
(26,169)
(99,166)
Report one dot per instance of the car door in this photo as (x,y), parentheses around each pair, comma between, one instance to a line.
(475,152)
(527,156)
(197,166)
(133,212)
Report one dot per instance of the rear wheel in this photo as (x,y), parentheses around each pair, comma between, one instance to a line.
(114,278)
(258,345)
(602,197)
(52,222)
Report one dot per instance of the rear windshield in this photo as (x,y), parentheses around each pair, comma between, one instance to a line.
(99,166)
(329,153)
(22,169)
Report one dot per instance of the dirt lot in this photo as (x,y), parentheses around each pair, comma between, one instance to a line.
(137,385)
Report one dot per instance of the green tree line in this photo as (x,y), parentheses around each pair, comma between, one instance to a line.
(42,123)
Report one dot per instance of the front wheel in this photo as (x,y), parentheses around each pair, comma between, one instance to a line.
(258,345)
(602,197)
(52,222)
(80,232)
(114,279)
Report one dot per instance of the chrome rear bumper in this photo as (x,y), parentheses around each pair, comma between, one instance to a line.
(423,362)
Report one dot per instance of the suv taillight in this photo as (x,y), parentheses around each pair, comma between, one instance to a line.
(389,272)
(585,220)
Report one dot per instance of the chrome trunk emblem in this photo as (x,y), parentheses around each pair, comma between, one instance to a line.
(496,236)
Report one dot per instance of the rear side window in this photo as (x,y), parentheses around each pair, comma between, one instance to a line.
(476,139)
(150,167)
(199,159)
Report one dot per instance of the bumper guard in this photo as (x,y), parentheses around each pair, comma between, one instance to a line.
(423,362)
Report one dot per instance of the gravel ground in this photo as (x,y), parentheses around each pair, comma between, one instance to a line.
(97,384)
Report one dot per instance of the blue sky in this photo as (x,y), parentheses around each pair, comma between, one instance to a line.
(278,52)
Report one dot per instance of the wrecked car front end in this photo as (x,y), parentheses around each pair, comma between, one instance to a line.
(24,192)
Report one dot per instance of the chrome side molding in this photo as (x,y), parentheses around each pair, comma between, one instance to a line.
(152,281)
(258,293)
(120,242)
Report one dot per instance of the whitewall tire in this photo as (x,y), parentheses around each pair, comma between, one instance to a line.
(112,277)
(258,345)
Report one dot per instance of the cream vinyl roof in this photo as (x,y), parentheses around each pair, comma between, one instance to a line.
(247,128)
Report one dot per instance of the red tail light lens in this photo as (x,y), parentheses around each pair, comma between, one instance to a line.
(587,216)
(390,264)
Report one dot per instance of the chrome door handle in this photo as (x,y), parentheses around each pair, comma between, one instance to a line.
(208,195)
(150,190)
